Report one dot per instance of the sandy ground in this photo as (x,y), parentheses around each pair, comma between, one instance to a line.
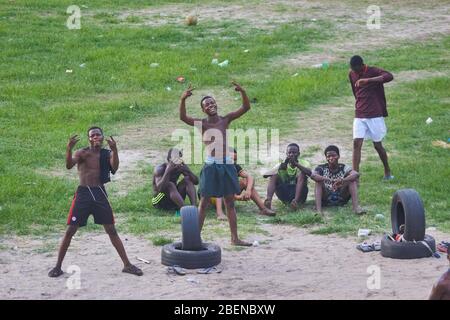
(289,263)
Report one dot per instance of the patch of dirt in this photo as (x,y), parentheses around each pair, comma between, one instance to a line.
(300,265)
(400,21)
(266,16)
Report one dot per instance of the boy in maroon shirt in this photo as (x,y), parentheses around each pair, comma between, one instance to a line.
(370,110)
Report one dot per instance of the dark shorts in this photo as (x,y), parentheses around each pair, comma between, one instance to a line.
(87,201)
(286,192)
(338,198)
(162,201)
(219,180)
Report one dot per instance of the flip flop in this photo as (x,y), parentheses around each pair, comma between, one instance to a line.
(209,270)
(365,247)
(176,270)
(376,246)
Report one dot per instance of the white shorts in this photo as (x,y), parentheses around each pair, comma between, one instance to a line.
(369,128)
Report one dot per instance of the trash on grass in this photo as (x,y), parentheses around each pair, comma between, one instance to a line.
(429,120)
(223,63)
(323,65)
(364,232)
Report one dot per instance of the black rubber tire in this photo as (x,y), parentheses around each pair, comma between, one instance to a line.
(209,256)
(407,250)
(407,208)
(190,230)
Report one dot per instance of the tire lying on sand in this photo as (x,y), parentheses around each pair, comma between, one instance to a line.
(190,229)
(407,208)
(210,255)
(408,249)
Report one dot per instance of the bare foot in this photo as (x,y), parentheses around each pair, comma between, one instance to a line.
(239,242)
(267,212)
(294,205)
(55,272)
(317,212)
(132,269)
(222,217)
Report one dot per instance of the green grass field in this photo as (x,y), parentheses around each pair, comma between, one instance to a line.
(41,105)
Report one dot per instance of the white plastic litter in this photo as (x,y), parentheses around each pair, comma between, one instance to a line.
(82,65)
(223,63)
(69,71)
(246,50)
(154,65)
(168,88)
(364,232)
(143,260)
(429,120)
(215,61)
(255,243)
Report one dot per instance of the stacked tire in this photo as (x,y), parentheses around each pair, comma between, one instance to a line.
(191,252)
(407,209)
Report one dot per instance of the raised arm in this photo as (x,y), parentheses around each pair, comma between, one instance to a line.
(71,161)
(162,177)
(245,104)
(114,157)
(183,115)
(382,77)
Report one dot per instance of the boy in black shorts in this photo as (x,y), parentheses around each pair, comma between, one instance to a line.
(94,166)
